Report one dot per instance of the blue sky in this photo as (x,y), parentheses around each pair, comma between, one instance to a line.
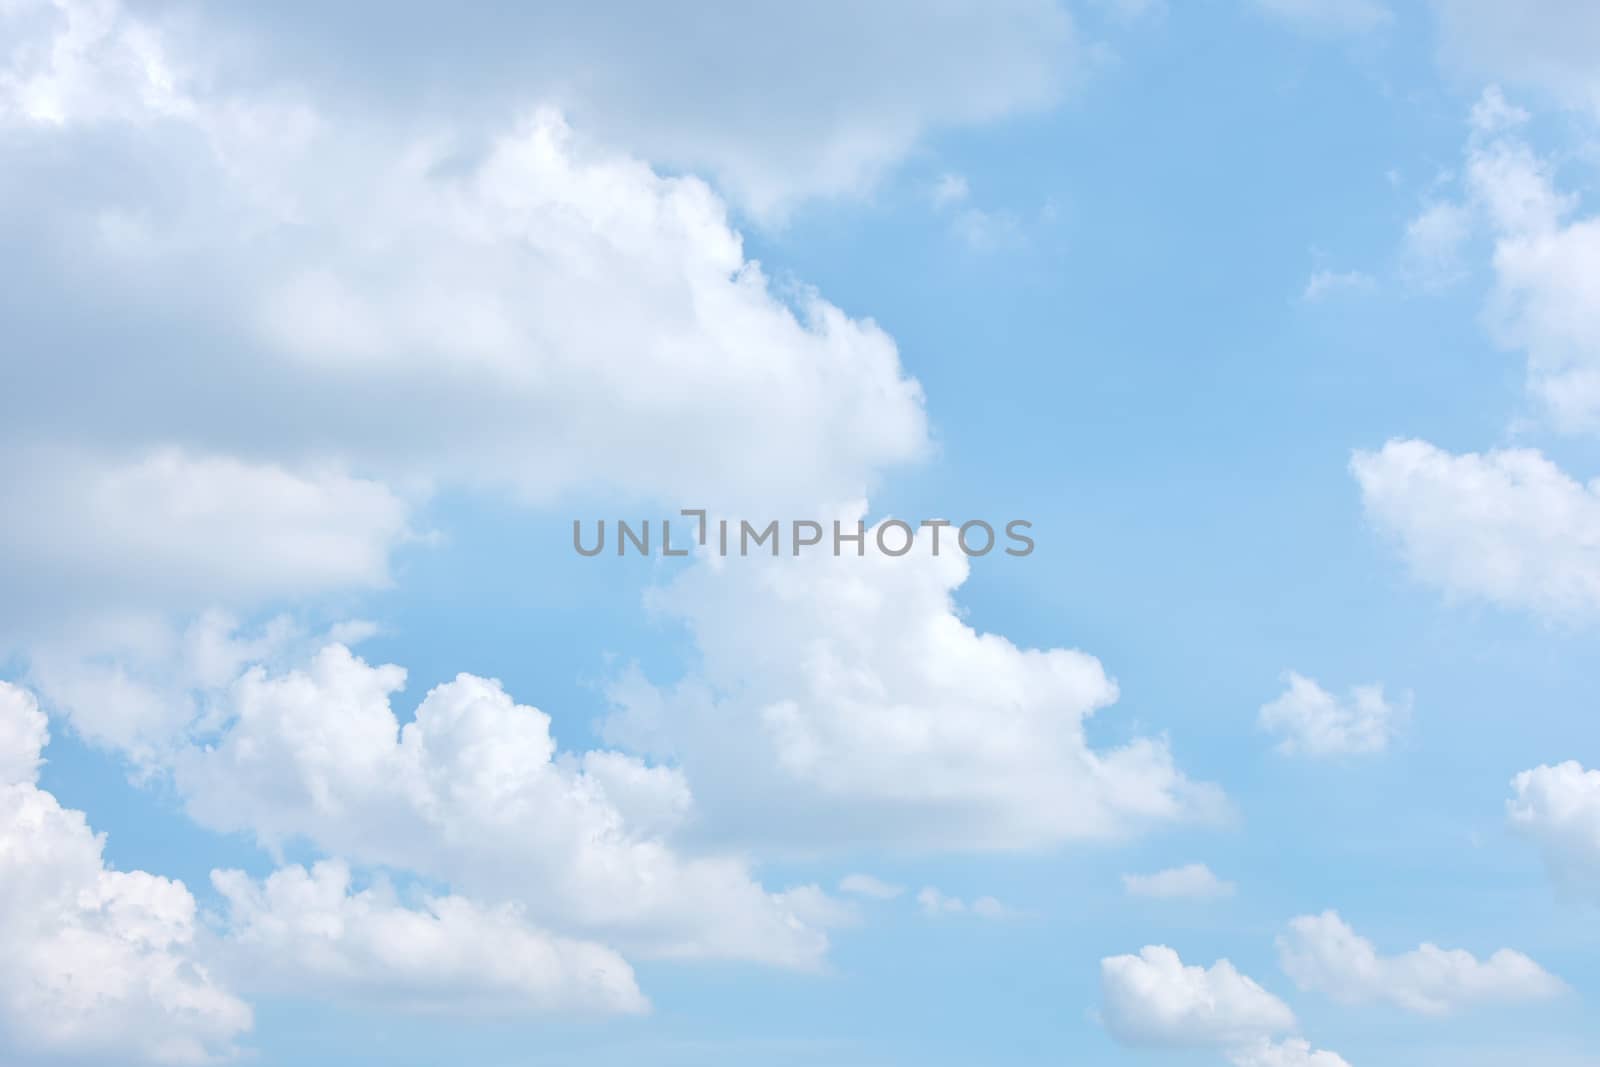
(1275,318)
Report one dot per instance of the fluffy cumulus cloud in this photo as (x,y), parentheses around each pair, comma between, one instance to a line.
(1559,807)
(1294,1052)
(306,931)
(140,684)
(1155,999)
(307,308)
(1546,301)
(318,754)
(845,699)
(1193,881)
(1506,526)
(1310,721)
(1545,255)
(302,315)
(100,963)
(1322,952)
(111,964)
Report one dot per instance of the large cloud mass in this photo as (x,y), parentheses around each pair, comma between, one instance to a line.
(299,318)
(473,793)
(779,103)
(98,962)
(845,697)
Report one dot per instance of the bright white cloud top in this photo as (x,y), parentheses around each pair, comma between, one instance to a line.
(1559,807)
(318,754)
(515,308)
(1293,1052)
(1156,999)
(1322,952)
(1505,526)
(1192,881)
(1310,721)
(865,708)
(99,962)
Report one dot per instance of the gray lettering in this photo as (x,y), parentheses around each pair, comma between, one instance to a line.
(904,548)
(859,537)
(626,534)
(1011,532)
(600,542)
(746,530)
(961,537)
(800,542)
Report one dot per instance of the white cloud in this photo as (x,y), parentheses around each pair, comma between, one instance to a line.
(1548,45)
(1195,880)
(23,735)
(1294,1052)
(865,885)
(1504,526)
(1559,807)
(142,686)
(844,700)
(981,229)
(1329,16)
(1546,300)
(935,903)
(831,95)
(308,933)
(811,905)
(95,533)
(1310,721)
(1322,952)
(100,963)
(473,793)
(321,312)
(1433,250)
(347,308)
(562,281)
(1545,260)
(1154,999)
(989,908)
(1325,283)
(88,62)
(984,230)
